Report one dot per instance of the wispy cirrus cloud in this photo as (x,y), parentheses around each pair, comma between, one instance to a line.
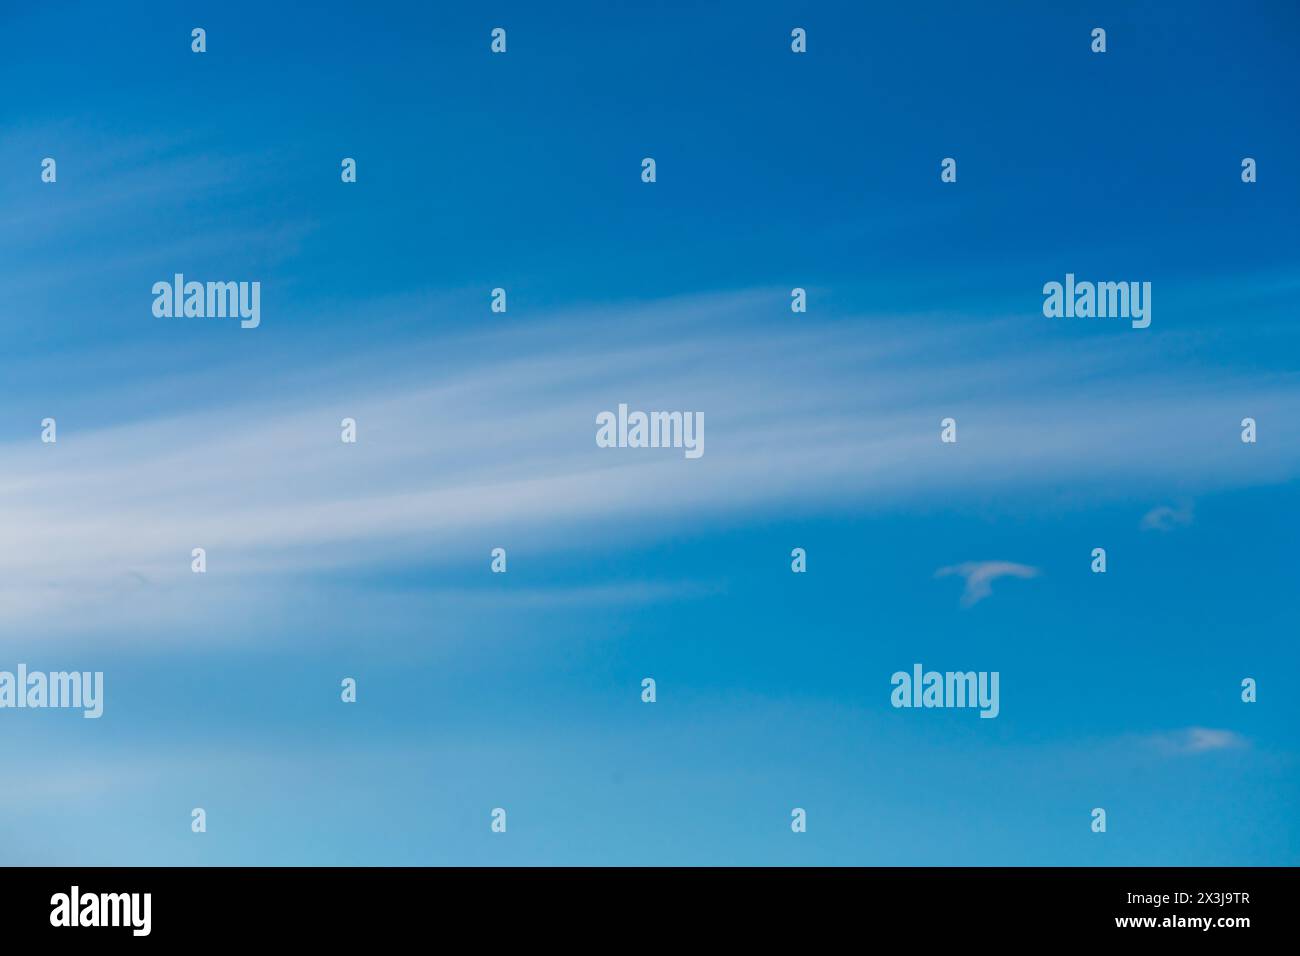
(1167,517)
(1197,740)
(487,436)
(980,576)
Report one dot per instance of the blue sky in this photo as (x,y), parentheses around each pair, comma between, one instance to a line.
(476,431)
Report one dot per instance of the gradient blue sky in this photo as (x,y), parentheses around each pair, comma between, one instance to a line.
(477,431)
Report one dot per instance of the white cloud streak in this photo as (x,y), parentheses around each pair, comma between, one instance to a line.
(490,439)
(1197,740)
(980,576)
(1167,517)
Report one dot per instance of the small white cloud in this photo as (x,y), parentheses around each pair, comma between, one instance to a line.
(980,576)
(1198,740)
(1167,517)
